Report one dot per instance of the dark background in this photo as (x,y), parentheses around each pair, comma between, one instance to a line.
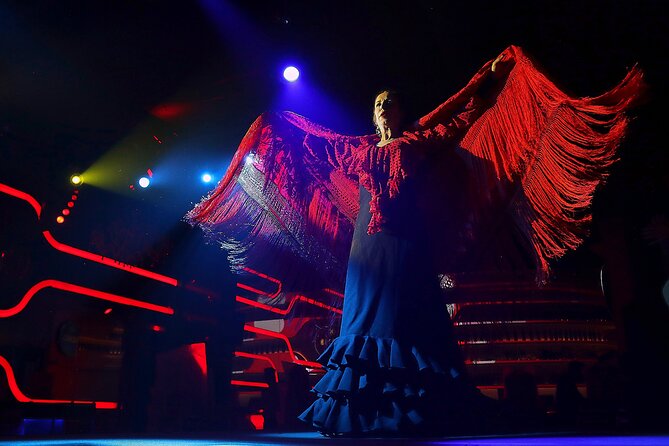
(79,78)
(173,86)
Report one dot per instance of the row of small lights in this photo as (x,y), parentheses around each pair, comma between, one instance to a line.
(291,74)
(143,182)
(76,180)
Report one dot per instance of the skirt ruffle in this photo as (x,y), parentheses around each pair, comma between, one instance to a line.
(376,385)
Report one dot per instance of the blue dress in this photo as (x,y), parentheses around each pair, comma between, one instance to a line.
(394,368)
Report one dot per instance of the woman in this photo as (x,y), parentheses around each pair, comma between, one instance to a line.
(395,367)
(387,210)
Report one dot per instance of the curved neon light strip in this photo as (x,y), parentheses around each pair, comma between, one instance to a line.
(273,334)
(263,276)
(287,310)
(23,196)
(88,255)
(22,398)
(50,283)
(261,358)
(107,261)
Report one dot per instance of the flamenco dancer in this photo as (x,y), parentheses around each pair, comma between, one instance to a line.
(386,213)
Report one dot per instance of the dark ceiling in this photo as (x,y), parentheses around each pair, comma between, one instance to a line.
(80,78)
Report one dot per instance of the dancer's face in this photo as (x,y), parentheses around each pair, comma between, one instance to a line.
(387,112)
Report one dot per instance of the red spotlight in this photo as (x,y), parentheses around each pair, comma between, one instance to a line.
(70,204)
(171,111)
(60,219)
(74,197)
(108,311)
(158,328)
(149,172)
(66,212)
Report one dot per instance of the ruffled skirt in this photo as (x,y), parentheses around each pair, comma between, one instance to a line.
(396,368)
(377,386)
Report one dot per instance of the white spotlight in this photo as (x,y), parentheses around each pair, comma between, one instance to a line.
(206,178)
(291,74)
(144,182)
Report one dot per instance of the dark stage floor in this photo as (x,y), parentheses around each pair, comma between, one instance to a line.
(308,438)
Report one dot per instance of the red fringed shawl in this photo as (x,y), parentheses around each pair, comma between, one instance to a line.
(290,196)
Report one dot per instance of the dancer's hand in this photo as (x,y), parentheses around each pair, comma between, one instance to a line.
(499,59)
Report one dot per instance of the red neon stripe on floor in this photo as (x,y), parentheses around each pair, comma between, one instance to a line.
(261,358)
(22,398)
(50,283)
(287,310)
(107,261)
(23,196)
(235,382)
(274,334)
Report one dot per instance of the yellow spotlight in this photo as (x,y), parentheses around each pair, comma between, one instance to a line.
(60,219)
(76,179)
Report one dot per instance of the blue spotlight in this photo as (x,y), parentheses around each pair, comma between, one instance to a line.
(206,178)
(144,182)
(291,74)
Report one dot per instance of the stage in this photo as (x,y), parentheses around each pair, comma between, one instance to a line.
(310,438)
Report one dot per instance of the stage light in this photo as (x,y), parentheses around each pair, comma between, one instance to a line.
(60,219)
(144,182)
(76,179)
(66,212)
(249,159)
(206,178)
(291,74)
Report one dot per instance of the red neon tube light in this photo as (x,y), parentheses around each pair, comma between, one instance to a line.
(23,196)
(261,358)
(235,382)
(331,291)
(107,261)
(50,283)
(287,310)
(22,398)
(80,252)
(263,276)
(273,334)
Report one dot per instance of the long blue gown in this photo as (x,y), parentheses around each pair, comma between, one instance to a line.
(394,368)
